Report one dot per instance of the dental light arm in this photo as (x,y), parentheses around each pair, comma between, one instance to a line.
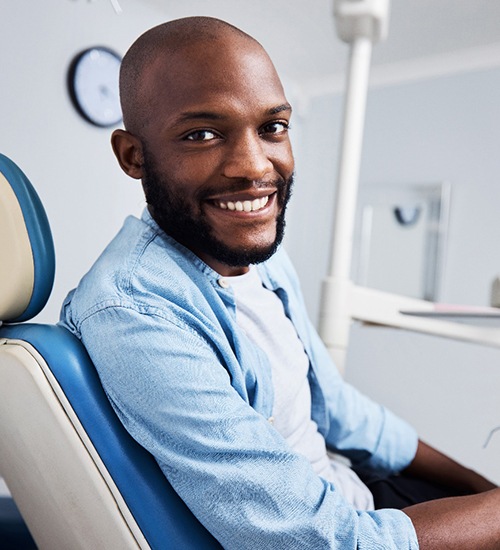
(360,23)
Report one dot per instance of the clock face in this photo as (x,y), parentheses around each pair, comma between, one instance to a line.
(93,86)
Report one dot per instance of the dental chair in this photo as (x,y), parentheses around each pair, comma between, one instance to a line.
(76,475)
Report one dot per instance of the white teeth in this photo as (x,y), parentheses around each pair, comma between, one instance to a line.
(244,206)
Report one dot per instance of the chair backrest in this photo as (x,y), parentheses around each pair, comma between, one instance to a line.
(28,263)
(77,476)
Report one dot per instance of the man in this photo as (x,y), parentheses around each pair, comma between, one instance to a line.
(195,322)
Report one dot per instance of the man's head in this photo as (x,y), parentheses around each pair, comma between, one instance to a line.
(207,132)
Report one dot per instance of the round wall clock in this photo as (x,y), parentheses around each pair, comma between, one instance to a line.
(93,85)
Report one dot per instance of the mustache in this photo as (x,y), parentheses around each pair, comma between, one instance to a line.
(242,185)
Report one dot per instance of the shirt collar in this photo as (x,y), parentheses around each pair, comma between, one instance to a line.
(267,279)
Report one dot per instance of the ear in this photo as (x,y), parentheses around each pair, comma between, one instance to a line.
(128,151)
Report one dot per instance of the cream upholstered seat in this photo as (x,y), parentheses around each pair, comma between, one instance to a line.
(78,478)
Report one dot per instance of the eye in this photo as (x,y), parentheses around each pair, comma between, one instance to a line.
(276,128)
(201,135)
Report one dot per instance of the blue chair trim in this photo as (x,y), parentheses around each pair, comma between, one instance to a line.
(164,519)
(40,236)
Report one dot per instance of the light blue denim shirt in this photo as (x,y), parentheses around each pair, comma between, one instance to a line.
(160,327)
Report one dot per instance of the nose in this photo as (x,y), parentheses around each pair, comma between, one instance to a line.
(247,158)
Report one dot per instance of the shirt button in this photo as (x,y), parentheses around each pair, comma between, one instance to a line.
(271,420)
(223,283)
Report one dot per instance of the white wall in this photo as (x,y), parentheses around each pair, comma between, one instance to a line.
(439,129)
(69,161)
(445,128)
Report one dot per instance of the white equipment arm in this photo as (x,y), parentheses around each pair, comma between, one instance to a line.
(361,23)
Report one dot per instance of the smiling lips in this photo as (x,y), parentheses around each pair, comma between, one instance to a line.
(244,206)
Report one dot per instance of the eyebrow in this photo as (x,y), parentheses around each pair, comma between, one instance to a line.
(280,109)
(193,115)
(209,115)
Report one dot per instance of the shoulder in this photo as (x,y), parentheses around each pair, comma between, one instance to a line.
(141,269)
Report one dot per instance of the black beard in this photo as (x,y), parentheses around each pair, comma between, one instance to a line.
(176,218)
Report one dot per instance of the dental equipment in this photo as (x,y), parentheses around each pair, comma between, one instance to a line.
(361,23)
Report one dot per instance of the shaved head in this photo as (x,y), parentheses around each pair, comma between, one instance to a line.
(157,45)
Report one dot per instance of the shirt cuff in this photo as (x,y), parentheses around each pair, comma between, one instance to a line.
(393,527)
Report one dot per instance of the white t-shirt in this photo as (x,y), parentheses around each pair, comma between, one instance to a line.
(260,313)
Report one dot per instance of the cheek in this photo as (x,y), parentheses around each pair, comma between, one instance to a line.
(185,180)
(290,161)
(192,173)
(284,161)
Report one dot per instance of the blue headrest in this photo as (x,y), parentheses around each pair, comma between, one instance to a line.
(28,261)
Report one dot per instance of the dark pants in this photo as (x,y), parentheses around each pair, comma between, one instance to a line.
(399,491)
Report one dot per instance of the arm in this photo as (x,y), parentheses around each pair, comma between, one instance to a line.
(460,523)
(433,465)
